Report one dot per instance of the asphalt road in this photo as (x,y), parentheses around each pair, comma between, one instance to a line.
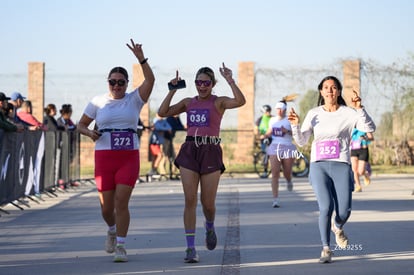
(66,234)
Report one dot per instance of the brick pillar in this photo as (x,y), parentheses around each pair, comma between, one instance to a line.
(352,79)
(245,134)
(137,79)
(36,88)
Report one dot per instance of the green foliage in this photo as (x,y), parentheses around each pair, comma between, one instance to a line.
(384,129)
(308,101)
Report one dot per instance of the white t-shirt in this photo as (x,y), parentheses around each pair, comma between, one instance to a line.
(110,113)
(276,123)
(332,131)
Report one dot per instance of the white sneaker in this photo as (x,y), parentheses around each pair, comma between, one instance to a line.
(275,203)
(120,254)
(326,256)
(110,242)
(340,237)
(289,186)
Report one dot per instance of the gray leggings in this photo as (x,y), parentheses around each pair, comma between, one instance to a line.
(333,183)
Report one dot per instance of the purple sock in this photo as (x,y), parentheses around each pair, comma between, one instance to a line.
(209,225)
(190,237)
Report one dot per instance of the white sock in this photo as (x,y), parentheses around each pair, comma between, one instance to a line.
(120,241)
(112,228)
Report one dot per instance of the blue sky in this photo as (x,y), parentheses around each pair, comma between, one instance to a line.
(87,38)
(90,35)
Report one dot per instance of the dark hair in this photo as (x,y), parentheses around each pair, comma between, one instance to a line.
(28,104)
(321,100)
(119,70)
(8,107)
(207,71)
(266,108)
(48,109)
(66,109)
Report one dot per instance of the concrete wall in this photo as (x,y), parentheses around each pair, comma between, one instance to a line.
(351,79)
(36,88)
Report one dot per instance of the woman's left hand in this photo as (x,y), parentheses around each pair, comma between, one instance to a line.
(137,50)
(226,73)
(356,100)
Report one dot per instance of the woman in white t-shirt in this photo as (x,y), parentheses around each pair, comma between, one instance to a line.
(116,116)
(281,151)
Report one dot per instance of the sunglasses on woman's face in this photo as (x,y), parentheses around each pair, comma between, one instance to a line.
(206,83)
(120,82)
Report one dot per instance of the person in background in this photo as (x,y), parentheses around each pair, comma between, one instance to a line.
(330,174)
(17,100)
(169,150)
(281,150)
(65,117)
(360,157)
(49,119)
(5,124)
(25,114)
(157,140)
(261,126)
(200,159)
(9,111)
(117,163)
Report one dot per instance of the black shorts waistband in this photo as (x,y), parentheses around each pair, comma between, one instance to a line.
(117,130)
(203,140)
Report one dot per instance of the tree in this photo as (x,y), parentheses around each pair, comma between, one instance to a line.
(309,101)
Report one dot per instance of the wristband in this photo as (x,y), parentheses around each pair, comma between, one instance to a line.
(143,61)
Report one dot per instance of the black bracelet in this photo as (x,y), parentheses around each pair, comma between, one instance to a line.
(143,61)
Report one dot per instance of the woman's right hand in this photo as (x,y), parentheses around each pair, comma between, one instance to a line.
(175,80)
(94,135)
(293,117)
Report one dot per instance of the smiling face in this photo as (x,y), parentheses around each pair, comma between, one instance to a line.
(117,84)
(330,92)
(204,85)
(205,81)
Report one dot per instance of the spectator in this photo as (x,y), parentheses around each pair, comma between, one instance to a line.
(25,114)
(9,111)
(17,100)
(65,117)
(49,120)
(157,139)
(140,128)
(5,124)
(169,150)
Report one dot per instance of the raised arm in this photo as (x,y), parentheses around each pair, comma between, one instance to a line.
(238,98)
(165,109)
(146,87)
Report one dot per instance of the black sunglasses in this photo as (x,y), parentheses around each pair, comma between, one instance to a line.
(206,83)
(120,82)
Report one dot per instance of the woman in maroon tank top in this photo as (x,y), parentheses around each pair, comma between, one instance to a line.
(200,158)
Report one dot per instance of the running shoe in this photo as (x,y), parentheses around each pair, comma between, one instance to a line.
(120,254)
(340,237)
(191,256)
(276,204)
(110,242)
(358,189)
(326,256)
(367,180)
(211,239)
(289,186)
